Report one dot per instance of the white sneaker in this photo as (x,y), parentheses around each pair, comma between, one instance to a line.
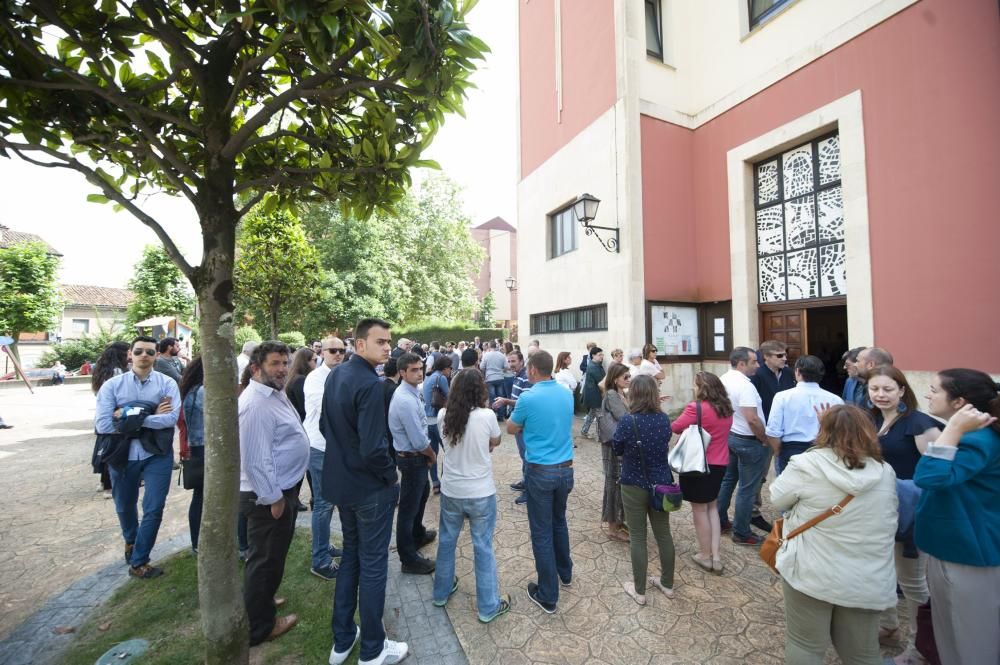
(338,657)
(392,653)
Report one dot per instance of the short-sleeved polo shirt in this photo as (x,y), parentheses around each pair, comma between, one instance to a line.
(742,394)
(546,414)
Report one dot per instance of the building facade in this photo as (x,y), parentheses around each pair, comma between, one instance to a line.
(499,242)
(816,172)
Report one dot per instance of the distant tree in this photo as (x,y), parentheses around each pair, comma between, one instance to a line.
(29,290)
(159,288)
(277,269)
(486,309)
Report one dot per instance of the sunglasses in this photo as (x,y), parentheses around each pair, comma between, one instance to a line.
(778,355)
(336,351)
(139,352)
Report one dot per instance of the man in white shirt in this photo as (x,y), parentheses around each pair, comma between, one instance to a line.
(747,446)
(794,423)
(332,351)
(274,452)
(243,359)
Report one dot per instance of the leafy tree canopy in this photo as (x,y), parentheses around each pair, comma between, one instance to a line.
(159,287)
(29,292)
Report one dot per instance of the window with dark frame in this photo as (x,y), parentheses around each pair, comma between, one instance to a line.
(654,29)
(761,10)
(579,319)
(715,330)
(562,232)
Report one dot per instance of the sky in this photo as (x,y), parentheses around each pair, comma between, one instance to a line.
(100,247)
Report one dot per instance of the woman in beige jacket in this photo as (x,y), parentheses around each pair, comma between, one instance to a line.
(838,575)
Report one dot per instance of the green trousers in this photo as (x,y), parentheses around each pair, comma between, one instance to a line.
(637,510)
(811,624)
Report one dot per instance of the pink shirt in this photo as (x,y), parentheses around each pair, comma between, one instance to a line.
(718,428)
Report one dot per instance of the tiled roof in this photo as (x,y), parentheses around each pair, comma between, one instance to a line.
(10,237)
(80,295)
(497,224)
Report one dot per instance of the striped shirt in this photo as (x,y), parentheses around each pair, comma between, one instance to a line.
(274,448)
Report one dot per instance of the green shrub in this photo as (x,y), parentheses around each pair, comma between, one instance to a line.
(73,353)
(447,331)
(246,334)
(292,338)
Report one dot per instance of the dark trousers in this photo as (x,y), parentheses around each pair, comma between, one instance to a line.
(269,541)
(790,449)
(364,569)
(197,499)
(413,492)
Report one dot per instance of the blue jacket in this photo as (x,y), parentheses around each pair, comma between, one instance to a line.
(436,379)
(958,515)
(194,416)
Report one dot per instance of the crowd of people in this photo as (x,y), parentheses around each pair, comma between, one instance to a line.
(876,496)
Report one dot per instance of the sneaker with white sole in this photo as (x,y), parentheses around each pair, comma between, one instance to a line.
(338,657)
(392,653)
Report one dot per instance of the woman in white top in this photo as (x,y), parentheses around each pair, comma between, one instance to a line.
(470,432)
(564,375)
(839,575)
(649,365)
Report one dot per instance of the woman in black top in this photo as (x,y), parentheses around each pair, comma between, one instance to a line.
(113,361)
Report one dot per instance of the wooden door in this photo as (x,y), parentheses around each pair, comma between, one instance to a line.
(788,326)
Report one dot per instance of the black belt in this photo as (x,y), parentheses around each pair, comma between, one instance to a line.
(801,443)
(746,437)
(560,465)
(400,453)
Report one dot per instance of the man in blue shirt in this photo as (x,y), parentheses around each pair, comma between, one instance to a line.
(413,454)
(147,461)
(359,477)
(545,415)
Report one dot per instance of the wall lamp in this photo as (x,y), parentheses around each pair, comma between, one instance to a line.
(511,283)
(585,209)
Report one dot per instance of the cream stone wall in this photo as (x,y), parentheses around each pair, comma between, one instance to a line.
(500,270)
(714,62)
(99,319)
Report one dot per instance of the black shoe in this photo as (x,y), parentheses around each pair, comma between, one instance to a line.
(328,572)
(335,552)
(144,572)
(522,499)
(6,427)
(761,524)
(429,536)
(420,566)
(301,507)
(548,608)
(566,584)
(518,486)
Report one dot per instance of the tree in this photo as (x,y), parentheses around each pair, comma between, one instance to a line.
(265,100)
(276,267)
(415,263)
(160,288)
(486,309)
(29,294)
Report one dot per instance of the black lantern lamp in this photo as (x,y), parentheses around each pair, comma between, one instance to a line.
(585,209)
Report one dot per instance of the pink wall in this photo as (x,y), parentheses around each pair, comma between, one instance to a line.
(588,73)
(930,84)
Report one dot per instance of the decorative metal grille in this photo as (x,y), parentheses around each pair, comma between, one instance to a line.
(799,207)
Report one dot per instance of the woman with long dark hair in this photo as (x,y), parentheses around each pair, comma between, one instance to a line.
(437,380)
(468,491)
(703,491)
(193,401)
(113,361)
(613,409)
(958,516)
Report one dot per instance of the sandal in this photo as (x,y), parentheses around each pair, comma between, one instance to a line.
(667,591)
(639,598)
(705,563)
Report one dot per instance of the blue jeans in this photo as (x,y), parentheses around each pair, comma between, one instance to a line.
(747,465)
(413,493)
(322,512)
(548,488)
(155,471)
(364,568)
(434,435)
(482,514)
(496,389)
(789,449)
(588,420)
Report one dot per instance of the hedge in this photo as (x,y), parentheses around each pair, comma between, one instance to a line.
(292,338)
(246,334)
(448,333)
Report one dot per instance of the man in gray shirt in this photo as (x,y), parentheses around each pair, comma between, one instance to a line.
(493,365)
(167,361)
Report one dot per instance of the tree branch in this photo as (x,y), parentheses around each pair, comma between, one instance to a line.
(64,161)
(252,65)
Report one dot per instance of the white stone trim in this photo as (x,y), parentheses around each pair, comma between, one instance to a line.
(845,115)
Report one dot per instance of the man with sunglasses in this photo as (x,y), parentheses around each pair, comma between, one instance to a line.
(772,377)
(150,459)
(332,351)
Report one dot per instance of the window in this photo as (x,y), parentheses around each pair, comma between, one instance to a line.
(654,29)
(761,10)
(594,317)
(800,223)
(689,332)
(81,326)
(562,232)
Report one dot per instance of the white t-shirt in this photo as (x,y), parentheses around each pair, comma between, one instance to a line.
(566,379)
(468,467)
(742,393)
(649,368)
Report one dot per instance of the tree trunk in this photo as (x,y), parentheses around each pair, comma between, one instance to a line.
(223,615)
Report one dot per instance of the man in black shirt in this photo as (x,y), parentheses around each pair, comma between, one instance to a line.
(359,477)
(773,375)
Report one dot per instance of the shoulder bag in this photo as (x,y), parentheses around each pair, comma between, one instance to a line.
(774,541)
(606,424)
(438,400)
(662,498)
(688,457)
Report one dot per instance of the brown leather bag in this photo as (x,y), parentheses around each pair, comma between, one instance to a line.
(774,540)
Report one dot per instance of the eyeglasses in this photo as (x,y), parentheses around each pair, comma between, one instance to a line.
(139,352)
(778,355)
(336,351)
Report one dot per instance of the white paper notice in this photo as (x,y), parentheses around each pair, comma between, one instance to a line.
(720,342)
(720,327)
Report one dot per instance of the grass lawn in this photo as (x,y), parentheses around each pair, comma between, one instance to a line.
(164,611)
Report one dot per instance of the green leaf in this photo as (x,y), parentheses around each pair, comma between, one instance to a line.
(332,24)
(97,198)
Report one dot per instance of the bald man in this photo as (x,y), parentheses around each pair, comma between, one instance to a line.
(868,359)
(332,354)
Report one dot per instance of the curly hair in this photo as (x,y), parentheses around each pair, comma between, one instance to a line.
(467,392)
(850,433)
(115,356)
(711,390)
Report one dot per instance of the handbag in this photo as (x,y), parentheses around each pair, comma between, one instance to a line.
(688,457)
(774,541)
(192,472)
(438,400)
(606,423)
(662,498)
